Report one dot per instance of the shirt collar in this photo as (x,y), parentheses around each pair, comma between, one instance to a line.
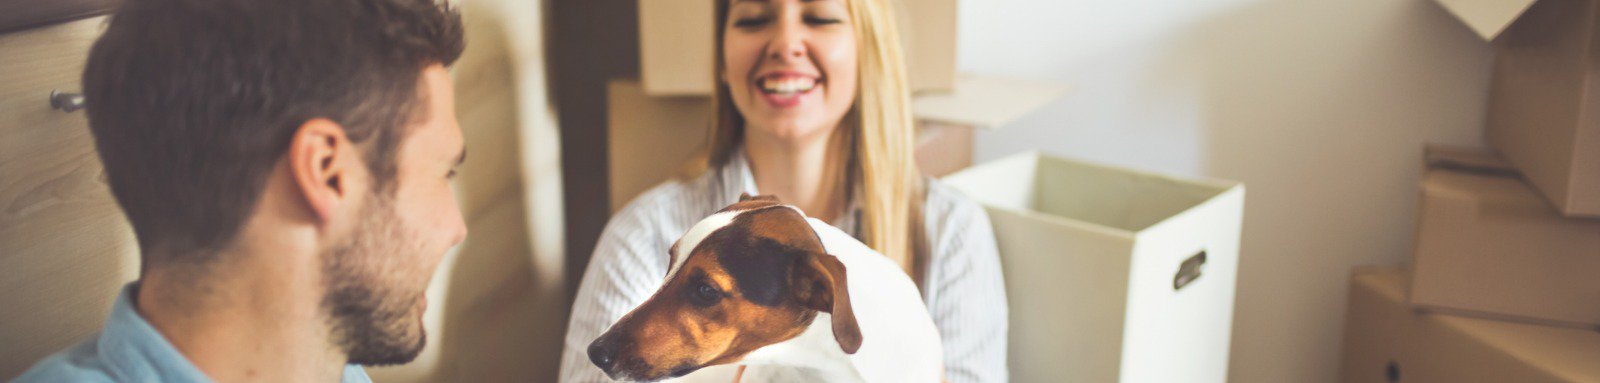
(738,179)
(136,352)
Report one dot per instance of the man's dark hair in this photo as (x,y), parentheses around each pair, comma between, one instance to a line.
(192,102)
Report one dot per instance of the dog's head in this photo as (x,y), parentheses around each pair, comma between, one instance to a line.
(751,275)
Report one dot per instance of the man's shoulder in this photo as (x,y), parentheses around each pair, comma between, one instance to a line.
(81,363)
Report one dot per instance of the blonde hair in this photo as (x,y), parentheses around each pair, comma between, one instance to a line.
(877,131)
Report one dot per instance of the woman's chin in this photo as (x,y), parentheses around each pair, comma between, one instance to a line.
(790,128)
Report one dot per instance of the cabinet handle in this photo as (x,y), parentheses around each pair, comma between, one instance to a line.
(66,102)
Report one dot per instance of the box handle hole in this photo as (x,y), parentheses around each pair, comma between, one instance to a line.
(1189,270)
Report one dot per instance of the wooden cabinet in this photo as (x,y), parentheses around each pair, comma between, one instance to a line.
(65,248)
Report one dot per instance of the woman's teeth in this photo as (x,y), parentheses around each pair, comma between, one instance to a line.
(789,86)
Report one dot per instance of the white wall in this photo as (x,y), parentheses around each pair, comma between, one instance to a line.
(1320,107)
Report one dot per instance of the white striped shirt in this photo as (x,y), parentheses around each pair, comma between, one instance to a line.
(963,288)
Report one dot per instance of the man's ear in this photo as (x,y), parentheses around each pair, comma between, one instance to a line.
(318,165)
(828,290)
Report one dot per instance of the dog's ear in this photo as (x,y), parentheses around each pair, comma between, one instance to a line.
(766,197)
(825,288)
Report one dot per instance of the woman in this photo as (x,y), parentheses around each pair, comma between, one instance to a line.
(812,107)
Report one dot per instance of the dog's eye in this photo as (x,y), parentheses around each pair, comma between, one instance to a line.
(706,294)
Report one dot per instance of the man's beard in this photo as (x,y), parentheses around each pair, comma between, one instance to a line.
(372,316)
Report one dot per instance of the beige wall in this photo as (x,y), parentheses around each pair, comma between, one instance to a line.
(1320,107)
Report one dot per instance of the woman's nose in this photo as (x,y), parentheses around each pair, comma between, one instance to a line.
(788,43)
(787,51)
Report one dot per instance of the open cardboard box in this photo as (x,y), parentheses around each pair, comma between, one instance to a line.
(1112,274)
(1543,112)
(652,138)
(1386,341)
(675,45)
(1487,245)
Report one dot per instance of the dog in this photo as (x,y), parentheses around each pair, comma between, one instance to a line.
(760,284)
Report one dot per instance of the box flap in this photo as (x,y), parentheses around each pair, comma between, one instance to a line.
(1501,194)
(1479,177)
(985,101)
(1486,17)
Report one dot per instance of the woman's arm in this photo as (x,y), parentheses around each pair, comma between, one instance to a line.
(628,265)
(968,298)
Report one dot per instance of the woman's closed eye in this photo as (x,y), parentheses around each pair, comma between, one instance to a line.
(751,22)
(818,20)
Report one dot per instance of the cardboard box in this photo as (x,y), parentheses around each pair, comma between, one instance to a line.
(1488,245)
(1542,107)
(928,38)
(1387,341)
(676,45)
(1113,275)
(652,138)
(943,148)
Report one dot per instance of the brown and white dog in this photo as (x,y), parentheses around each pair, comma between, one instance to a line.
(759,284)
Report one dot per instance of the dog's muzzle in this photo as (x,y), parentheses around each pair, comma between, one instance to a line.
(605,352)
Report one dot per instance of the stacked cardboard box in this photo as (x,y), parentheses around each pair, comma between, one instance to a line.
(1488,245)
(660,121)
(1503,283)
(1501,288)
(1543,111)
(1388,340)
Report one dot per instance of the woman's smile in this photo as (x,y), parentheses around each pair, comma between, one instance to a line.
(785,89)
(789,67)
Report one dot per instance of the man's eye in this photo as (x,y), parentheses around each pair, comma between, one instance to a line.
(706,294)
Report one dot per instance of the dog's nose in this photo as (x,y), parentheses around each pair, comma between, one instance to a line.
(602,353)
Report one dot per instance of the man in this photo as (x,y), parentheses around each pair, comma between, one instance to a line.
(285,166)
